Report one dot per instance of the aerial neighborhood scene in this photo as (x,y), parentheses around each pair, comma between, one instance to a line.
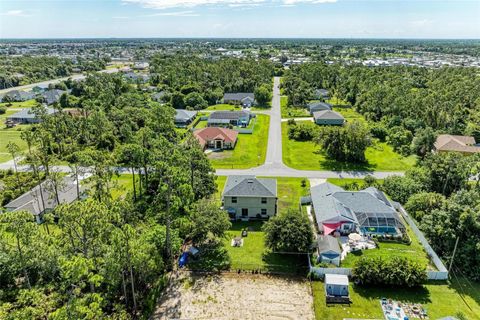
(240,159)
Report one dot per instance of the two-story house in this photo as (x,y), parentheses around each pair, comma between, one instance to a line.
(250,198)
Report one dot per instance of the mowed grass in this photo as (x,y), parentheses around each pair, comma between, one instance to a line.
(253,254)
(122,184)
(250,150)
(413,251)
(224,106)
(306,155)
(343,182)
(19,105)
(440,300)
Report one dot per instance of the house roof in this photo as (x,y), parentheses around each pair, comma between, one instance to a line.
(184,115)
(28,114)
(328,244)
(369,207)
(249,186)
(336,279)
(53,95)
(328,115)
(238,96)
(31,200)
(228,115)
(214,133)
(319,106)
(323,92)
(448,142)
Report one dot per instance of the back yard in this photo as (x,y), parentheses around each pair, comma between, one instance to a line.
(440,300)
(250,150)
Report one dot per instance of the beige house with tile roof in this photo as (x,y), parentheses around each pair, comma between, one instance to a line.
(452,143)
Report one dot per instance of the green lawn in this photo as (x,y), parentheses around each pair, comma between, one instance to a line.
(22,105)
(10,135)
(122,185)
(289,192)
(350,115)
(224,106)
(414,251)
(440,300)
(252,255)
(250,150)
(307,156)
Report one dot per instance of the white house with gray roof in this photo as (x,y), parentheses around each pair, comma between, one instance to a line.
(367,211)
(28,116)
(184,117)
(248,197)
(246,99)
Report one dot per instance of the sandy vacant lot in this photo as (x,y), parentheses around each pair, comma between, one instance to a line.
(233,296)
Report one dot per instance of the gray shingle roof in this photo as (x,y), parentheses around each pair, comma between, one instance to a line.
(239,96)
(184,115)
(246,186)
(328,243)
(328,114)
(319,106)
(327,207)
(230,115)
(53,95)
(32,200)
(28,114)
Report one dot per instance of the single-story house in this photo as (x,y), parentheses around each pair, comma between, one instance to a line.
(52,96)
(42,199)
(336,285)
(248,197)
(321,94)
(18,96)
(134,77)
(216,138)
(329,250)
(141,65)
(27,116)
(318,106)
(328,118)
(228,118)
(159,96)
(184,117)
(366,211)
(40,88)
(246,99)
(451,143)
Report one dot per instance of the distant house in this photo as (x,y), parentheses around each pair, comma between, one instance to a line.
(28,116)
(329,250)
(17,96)
(158,96)
(318,106)
(321,94)
(229,118)
(246,99)
(248,197)
(136,77)
(451,143)
(42,199)
(328,118)
(141,65)
(216,138)
(40,88)
(52,96)
(367,211)
(184,117)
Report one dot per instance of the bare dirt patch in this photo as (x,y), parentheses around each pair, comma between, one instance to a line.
(234,296)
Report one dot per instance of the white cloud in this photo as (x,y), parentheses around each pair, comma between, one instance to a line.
(188,13)
(167,4)
(15,13)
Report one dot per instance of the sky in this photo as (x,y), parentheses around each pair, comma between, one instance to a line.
(452,19)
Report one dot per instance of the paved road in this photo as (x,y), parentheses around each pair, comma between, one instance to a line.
(53,81)
(273,166)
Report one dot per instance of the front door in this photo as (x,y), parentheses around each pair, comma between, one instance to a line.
(244,212)
(218,144)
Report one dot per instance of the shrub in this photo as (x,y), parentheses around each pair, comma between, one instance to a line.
(397,271)
(302,131)
(3,110)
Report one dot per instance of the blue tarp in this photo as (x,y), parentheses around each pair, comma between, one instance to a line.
(183,260)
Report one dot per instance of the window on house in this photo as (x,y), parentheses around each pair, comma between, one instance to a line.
(264,211)
(234,199)
(264,200)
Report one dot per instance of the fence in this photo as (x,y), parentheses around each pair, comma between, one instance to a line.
(323,271)
(442,273)
(247,130)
